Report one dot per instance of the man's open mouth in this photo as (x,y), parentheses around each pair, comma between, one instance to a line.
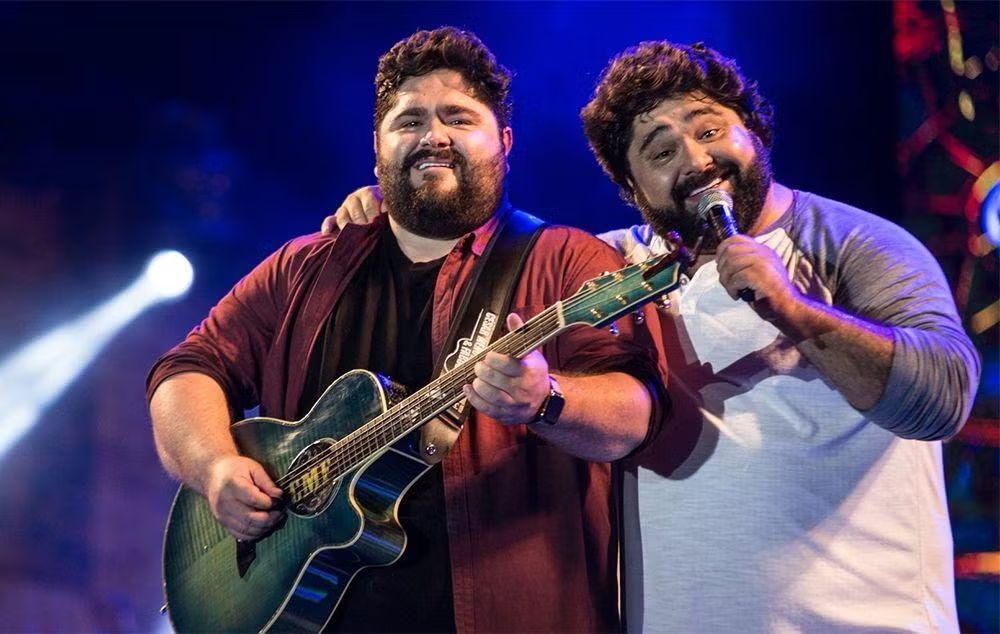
(715,183)
(423,165)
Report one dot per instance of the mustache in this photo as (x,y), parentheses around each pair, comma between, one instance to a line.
(449,156)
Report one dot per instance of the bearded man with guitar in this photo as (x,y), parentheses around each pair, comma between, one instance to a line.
(516,528)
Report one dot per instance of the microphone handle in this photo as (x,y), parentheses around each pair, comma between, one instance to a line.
(724,227)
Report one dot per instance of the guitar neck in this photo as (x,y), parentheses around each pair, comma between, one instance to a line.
(446,390)
(600,301)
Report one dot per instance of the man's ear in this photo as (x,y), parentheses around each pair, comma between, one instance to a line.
(507,139)
(375,149)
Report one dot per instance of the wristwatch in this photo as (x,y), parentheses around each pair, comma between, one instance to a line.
(552,406)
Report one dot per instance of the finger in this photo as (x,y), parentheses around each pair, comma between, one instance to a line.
(494,395)
(264,483)
(342,217)
(250,524)
(247,493)
(734,252)
(376,196)
(504,364)
(255,522)
(329,223)
(371,206)
(734,279)
(478,402)
(490,375)
(355,210)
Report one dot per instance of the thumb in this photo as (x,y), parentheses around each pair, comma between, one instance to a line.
(514,321)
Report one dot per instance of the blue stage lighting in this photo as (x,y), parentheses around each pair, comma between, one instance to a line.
(33,377)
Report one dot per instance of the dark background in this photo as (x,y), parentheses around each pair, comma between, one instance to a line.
(223,130)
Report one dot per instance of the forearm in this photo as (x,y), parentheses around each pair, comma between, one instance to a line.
(605,416)
(191,426)
(854,354)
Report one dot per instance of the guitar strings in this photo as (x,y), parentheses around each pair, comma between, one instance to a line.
(345,449)
(411,413)
(344,454)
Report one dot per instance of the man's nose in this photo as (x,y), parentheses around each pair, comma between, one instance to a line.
(437,135)
(698,158)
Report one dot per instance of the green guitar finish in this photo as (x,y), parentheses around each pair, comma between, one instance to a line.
(299,572)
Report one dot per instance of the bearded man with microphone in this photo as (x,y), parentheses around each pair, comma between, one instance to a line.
(799,486)
(816,363)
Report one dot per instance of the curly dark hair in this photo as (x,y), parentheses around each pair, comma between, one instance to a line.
(641,77)
(444,47)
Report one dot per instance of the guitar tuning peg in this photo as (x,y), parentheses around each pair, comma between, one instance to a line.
(663,302)
(638,316)
(613,328)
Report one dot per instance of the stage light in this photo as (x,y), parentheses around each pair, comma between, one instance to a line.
(169,273)
(33,377)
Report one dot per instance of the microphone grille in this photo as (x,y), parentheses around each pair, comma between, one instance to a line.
(711,197)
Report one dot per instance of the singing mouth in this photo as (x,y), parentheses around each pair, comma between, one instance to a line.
(424,165)
(700,190)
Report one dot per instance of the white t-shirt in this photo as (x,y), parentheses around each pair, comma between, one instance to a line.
(768,503)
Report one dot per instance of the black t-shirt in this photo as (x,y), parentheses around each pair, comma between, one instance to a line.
(382,323)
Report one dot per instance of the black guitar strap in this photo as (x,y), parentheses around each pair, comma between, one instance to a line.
(479,318)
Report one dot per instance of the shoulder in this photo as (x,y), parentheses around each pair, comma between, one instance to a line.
(312,248)
(566,243)
(845,227)
(866,261)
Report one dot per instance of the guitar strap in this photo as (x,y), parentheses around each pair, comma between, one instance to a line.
(479,319)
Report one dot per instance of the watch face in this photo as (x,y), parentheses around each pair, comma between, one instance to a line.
(554,408)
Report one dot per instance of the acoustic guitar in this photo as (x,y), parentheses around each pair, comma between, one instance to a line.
(344,467)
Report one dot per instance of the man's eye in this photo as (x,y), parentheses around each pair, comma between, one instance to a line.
(458,122)
(663,155)
(410,124)
(708,134)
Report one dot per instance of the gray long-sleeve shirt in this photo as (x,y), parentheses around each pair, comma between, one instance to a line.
(769,503)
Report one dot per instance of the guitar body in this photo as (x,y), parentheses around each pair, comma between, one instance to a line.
(292,579)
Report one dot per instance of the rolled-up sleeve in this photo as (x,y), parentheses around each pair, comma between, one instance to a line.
(561,263)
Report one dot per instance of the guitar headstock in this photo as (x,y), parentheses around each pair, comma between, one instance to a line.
(607,297)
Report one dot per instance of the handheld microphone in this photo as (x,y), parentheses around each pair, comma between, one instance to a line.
(715,208)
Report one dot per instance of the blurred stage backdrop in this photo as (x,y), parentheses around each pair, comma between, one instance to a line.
(222,130)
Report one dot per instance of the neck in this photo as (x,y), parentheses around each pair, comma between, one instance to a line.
(419,248)
(777,201)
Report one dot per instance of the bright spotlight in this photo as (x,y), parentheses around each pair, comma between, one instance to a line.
(169,273)
(34,376)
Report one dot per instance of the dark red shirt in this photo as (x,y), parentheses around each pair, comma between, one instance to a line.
(531,528)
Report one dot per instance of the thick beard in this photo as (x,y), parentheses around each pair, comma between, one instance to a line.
(749,194)
(428,212)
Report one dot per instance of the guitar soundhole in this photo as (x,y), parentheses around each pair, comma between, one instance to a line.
(311,492)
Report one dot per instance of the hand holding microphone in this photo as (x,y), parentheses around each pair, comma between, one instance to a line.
(715,208)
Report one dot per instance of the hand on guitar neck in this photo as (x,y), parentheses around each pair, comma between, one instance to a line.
(506,389)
